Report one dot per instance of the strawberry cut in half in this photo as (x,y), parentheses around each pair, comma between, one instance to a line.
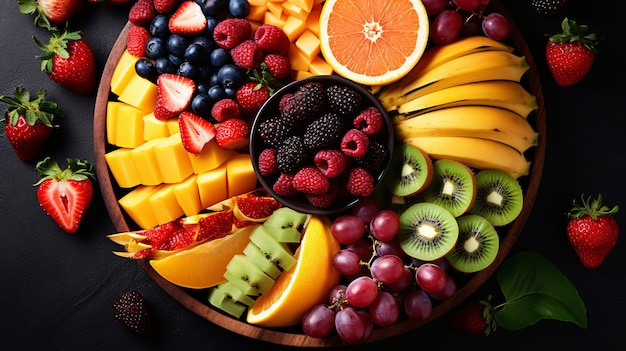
(195,131)
(174,95)
(188,19)
(65,194)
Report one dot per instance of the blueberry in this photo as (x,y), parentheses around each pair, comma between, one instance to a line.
(188,69)
(231,75)
(163,65)
(220,57)
(203,87)
(175,60)
(230,92)
(201,105)
(207,43)
(159,26)
(216,92)
(214,7)
(204,73)
(195,53)
(238,8)
(176,45)
(155,48)
(215,79)
(145,68)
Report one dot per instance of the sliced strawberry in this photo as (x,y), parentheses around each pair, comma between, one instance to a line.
(183,237)
(195,131)
(158,236)
(66,194)
(188,19)
(233,134)
(174,94)
(216,225)
(256,207)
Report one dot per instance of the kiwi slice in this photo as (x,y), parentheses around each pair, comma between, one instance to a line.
(427,231)
(410,170)
(477,245)
(499,197)
(453,186)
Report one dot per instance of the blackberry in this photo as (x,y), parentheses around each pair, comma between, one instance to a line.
(292,113)
(291,155)
(324,132)
(273,131)
(343,100)
(312,96)
(375,157)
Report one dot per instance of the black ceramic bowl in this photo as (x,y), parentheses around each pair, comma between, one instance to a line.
(270,109)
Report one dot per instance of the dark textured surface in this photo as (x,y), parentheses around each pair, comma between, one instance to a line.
(57,289)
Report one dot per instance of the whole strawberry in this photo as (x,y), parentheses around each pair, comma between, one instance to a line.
(29,123)
(570,54)
(592,230)
(65,194)
(473,318)
(69,61)
(49,13)
(132,311)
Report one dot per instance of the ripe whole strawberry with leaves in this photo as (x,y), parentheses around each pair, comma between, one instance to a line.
(49,13)
(69,61)
(592,230)
(570,54)
(29,123)
(65,194)
(473,318)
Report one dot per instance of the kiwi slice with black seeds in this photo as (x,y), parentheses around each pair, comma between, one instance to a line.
(453,186)
(410,170)
(427,231)
(477,245)
(499,197)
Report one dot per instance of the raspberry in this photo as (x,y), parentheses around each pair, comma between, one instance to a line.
(272,39)
(369,120)
(324,200)
(360,182)
(374,158)
(278,65)
(141,13)
(231,32)
(331,163)
(225,109)
(267,162)
(324,132)
(309,180)
(247,54)
(284,186)
(354,143)
(138,37)
(291,155)
(343,100)
(273,132)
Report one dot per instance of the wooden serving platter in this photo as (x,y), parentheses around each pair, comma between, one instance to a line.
(194,301)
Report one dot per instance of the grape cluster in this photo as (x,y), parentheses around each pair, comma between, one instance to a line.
(380,284)
(451,19)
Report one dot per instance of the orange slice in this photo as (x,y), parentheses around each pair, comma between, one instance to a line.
(307,283)
(203,266)
(373,42)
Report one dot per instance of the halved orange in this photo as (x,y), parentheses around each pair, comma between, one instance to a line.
(307,283)
(203,266)
(373,42)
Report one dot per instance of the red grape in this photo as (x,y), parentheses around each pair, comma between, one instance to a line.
(347,228)
(404,282)
(417,305)
(496,26)
(446,27)
(366,208)
(391,247)
(434,7)
(385,225)
(347,262)
(349,325)
(387,269)
(361,291)
(467,5)
(319,321)
(431,278)
(362,247)
(384,310)
(337,294)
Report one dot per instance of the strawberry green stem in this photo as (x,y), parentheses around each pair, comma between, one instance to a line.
(593,208)
(76,170)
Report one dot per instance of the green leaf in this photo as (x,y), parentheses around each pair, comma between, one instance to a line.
(535,289)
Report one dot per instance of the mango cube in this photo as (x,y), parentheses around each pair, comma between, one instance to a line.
(187,195)
(146,163)
(212,186)
(123,72)
(240,175)
(309,44)
(275,8)
(173,160)
(293,27)
(275,20)
(164,204)
(297,59)
(212,156)
(122,168)
(136,205)
(320,67)
(140,93)
(154,128)
(294,10)
(128,122)
(305,5)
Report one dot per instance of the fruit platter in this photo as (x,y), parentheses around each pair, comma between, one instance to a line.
(257,237)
